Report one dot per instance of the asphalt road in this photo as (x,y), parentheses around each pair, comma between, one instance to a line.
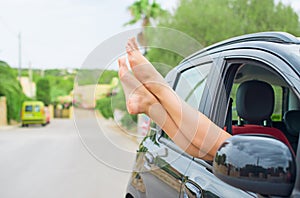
(52,161)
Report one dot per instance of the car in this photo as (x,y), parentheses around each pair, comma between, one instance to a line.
(249,85)
(34,112)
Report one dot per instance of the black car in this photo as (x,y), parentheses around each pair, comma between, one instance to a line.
(248,85)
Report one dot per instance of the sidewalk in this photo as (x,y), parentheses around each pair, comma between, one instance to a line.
(9,127)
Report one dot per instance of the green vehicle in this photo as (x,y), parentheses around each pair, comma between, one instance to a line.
(34,112)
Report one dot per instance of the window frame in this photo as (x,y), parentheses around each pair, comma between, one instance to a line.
(181,73)
(161,136)
(260,58)
(220,117)
(278,65)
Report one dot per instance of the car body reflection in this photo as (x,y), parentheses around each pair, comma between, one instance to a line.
(255,163)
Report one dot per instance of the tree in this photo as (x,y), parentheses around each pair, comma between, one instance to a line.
(144,11)
(106,76)
(12,90)
(211,21)
(43,91)
(60,86)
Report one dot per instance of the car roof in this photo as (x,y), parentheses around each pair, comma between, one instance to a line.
(33,103)
(267,41)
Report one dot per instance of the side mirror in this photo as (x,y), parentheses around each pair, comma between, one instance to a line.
(255,163)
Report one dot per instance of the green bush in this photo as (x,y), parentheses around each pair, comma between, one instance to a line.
(43,91)
(107,105)
(129,121)
(12,90)
(104,106)
(60,86)
(106,76)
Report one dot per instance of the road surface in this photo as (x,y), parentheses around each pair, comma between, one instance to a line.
(51,161)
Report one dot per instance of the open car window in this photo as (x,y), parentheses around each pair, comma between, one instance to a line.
(191,84)
(249,113)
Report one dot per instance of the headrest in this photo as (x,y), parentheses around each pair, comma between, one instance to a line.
(292,121)
(255,101)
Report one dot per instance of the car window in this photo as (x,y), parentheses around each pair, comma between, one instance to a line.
(262,118)
(278,104)
(191,84)
(28,108)
(37,108)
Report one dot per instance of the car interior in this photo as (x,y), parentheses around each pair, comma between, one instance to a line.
(262,102)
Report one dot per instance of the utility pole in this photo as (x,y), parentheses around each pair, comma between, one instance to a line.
(20,54)
(30,79)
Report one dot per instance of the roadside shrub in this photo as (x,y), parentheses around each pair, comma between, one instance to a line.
(43,91)
(104,106)
(108,105)
(12,90)
(129,121)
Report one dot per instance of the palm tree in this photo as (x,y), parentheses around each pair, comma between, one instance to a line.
(144,11)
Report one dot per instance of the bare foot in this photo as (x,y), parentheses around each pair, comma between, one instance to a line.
(142,69)
(138,98)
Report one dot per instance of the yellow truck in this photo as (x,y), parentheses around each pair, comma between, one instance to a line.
(34,112)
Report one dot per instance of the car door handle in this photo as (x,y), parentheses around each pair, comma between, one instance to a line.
(191,190)
(149,158)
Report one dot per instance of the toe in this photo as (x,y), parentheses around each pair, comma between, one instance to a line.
(123,69)
(134,43)
(132,106)
(131,45)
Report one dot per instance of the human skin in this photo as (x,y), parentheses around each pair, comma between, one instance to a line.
(147,92)
(140,100)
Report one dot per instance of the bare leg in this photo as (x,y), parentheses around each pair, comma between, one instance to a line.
(140,100)
(143,69)
(195,126)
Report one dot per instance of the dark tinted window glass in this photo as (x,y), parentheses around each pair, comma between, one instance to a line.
(28,108)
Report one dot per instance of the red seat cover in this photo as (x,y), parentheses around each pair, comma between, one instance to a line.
(256,129)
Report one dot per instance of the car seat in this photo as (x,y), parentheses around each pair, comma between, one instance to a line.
(255,105)
(292,123)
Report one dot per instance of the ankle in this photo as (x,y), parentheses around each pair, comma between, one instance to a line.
(159,90)
(149,105)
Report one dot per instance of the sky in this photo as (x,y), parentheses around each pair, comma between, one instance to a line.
(61,33)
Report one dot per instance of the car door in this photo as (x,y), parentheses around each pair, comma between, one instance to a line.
(166,162)
(160,167)
(197,84)
(200,180)
(163,163)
